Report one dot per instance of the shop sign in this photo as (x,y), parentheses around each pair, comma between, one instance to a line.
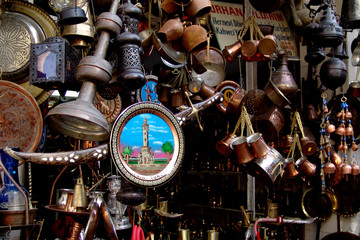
(227,19)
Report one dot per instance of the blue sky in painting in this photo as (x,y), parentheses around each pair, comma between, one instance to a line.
(159,133)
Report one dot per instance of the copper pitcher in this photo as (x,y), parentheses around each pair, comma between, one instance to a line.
(258,145)
(241,149)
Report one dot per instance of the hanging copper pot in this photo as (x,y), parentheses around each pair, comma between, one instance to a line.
(197,7)
(333,73)
(194,36)
(308,147)
(259,145)
(235,102)
(290,168)
(231,52)
(283,79)
(306,167)
(223,146)
(171,30)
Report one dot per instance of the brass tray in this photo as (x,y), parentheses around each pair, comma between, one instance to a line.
(147,144)
(21,121)
(23,24)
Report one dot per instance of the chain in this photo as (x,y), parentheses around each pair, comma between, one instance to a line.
(298,119)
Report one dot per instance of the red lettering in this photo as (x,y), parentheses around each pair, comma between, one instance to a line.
(271,16)
(225,10)
(212,8)
(232,12)
(263,15)
(218,10)
(279,17)
(256,14)
(239,12)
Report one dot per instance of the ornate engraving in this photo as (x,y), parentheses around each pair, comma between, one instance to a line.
(14,44)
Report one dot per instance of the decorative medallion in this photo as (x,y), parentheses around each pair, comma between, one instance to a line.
(148,91)
(109,108)
(147,144)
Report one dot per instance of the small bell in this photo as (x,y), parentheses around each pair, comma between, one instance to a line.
(329,168)
(354,147)
(79,199)
(340,114)
(341,147)
(330,128)
(340,130)
(348,114)
(346,169)
(349,130)
(355,170)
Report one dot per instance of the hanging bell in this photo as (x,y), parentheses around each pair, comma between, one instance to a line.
(350,14)
(131,75)
(329,168)
(331,34)
(348,114)
(340,130)
(79,199)
(346,169)
(354,147)
(330,128)
(314,55)
(339,51)
(349,130)
(355,170)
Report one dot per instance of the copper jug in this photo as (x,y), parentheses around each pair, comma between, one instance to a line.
(283,79)
(223,146)
(231,52)
(290,168)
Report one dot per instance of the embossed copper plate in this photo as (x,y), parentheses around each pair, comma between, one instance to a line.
(21,122)
(147,144)
(109,108)
(22,24)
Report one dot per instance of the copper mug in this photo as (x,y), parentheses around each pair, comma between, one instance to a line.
(305,167)
(241,149)
(223,146)
(261,149)
(267,45)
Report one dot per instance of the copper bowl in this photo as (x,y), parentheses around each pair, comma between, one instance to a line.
(14,218)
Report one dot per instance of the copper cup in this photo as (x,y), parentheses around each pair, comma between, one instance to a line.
(231,52)
(223,146)
(241,149)
(290,168)
(308,147)
(267,45)
(235,102)
(258,145)
(249,48)
(305,167)
(177,98)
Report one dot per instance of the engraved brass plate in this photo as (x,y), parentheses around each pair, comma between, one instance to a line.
(21,121)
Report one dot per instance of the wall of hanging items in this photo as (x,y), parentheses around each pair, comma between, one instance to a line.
(171,136)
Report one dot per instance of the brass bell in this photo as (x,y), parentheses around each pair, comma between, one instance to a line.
(308,147)
(339,51)
(348,114)
(79,199)
(231,52)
